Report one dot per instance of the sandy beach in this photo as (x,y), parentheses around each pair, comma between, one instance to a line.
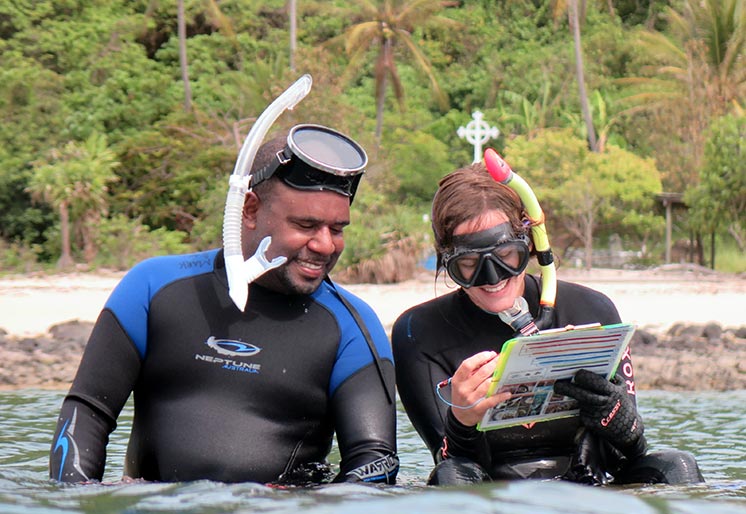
(652,299)
(692,333)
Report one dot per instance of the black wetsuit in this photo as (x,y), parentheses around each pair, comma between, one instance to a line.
(224,395)
(432,339)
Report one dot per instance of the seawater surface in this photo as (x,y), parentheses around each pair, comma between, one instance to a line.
(712,425)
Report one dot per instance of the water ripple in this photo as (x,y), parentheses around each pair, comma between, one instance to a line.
(710,425)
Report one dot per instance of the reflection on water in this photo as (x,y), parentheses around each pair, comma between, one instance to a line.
(711,425)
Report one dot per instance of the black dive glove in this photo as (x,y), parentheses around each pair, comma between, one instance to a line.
(606,410)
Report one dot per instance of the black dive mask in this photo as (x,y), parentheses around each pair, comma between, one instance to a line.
(487,257)
(317,158)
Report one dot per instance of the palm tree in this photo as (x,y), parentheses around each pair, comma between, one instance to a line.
(574,20)
(386,24)
(292,15)
(74,180)
(602,120)
(699,73)
(218,19)
(181,23)
(575,17)
(526,116)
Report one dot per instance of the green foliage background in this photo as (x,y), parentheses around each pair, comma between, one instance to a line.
(72,69)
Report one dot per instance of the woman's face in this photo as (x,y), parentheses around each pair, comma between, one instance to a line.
(501,296)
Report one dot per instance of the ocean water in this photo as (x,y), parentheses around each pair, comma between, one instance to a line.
(712,425)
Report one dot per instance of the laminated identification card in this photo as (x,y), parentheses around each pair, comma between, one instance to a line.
(529,366)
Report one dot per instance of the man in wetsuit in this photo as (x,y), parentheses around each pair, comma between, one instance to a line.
(482,242)
(255,395)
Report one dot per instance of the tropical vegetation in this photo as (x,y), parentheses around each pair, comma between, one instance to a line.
(122,120)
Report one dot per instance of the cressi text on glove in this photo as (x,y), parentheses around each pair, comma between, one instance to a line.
(605,408)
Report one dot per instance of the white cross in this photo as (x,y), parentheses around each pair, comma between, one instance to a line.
(478,132)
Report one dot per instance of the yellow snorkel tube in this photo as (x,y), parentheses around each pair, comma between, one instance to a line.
(501,172)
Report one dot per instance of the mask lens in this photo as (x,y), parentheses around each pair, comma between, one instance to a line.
(462,268)
(488,266)
(327,150)
(512,255)
(320,159)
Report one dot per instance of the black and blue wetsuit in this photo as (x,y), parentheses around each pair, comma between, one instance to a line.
(229,396)
(432,339)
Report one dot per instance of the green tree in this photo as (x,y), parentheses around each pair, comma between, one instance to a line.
(74,180)
(720,198)
(165,171)
(418,162)
(697,70)
(599,110)
(585,192)
(525,116)
(386,24)
(32,116)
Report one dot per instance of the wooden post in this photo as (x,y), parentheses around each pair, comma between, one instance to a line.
(667,204)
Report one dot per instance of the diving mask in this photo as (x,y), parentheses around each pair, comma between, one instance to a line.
(487,257)
(317,158)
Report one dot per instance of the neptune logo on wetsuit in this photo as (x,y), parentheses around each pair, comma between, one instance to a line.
(232,348)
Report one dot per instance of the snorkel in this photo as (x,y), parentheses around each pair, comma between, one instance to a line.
(516,317)
(241,273)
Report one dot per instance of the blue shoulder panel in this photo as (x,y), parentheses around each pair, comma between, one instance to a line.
(353,353)
(130,300)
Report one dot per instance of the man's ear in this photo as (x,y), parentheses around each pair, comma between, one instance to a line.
(250,207)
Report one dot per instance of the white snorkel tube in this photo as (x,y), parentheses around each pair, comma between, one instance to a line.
(241,273)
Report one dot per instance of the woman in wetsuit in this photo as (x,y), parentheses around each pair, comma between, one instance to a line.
(483,242)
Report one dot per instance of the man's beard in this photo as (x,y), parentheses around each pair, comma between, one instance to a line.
(282,281)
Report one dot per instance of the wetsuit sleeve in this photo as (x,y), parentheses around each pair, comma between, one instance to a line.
(363,397)
(102,385)
(366,426)
(464,441)
(416,377)
(416,380)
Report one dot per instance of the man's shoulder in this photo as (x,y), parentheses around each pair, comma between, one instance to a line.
(204,260)
(348,306)
(164,269)
(329,289)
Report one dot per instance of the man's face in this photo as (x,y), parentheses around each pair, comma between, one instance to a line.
(306,227)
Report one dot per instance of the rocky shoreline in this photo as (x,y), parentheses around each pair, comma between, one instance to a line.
(687,356)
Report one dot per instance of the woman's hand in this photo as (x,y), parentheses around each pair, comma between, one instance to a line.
(470,383)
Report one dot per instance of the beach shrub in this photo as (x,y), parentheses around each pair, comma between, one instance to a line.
(123,242)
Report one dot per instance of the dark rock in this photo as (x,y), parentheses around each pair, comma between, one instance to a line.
(643,337)
(713,332)
(740,332)
(74,330)
(685,330)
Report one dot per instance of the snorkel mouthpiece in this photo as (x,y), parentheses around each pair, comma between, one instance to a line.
(501,172)
(519,318)
(241,273)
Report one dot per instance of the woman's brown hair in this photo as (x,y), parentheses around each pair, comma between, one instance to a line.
(466,194)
